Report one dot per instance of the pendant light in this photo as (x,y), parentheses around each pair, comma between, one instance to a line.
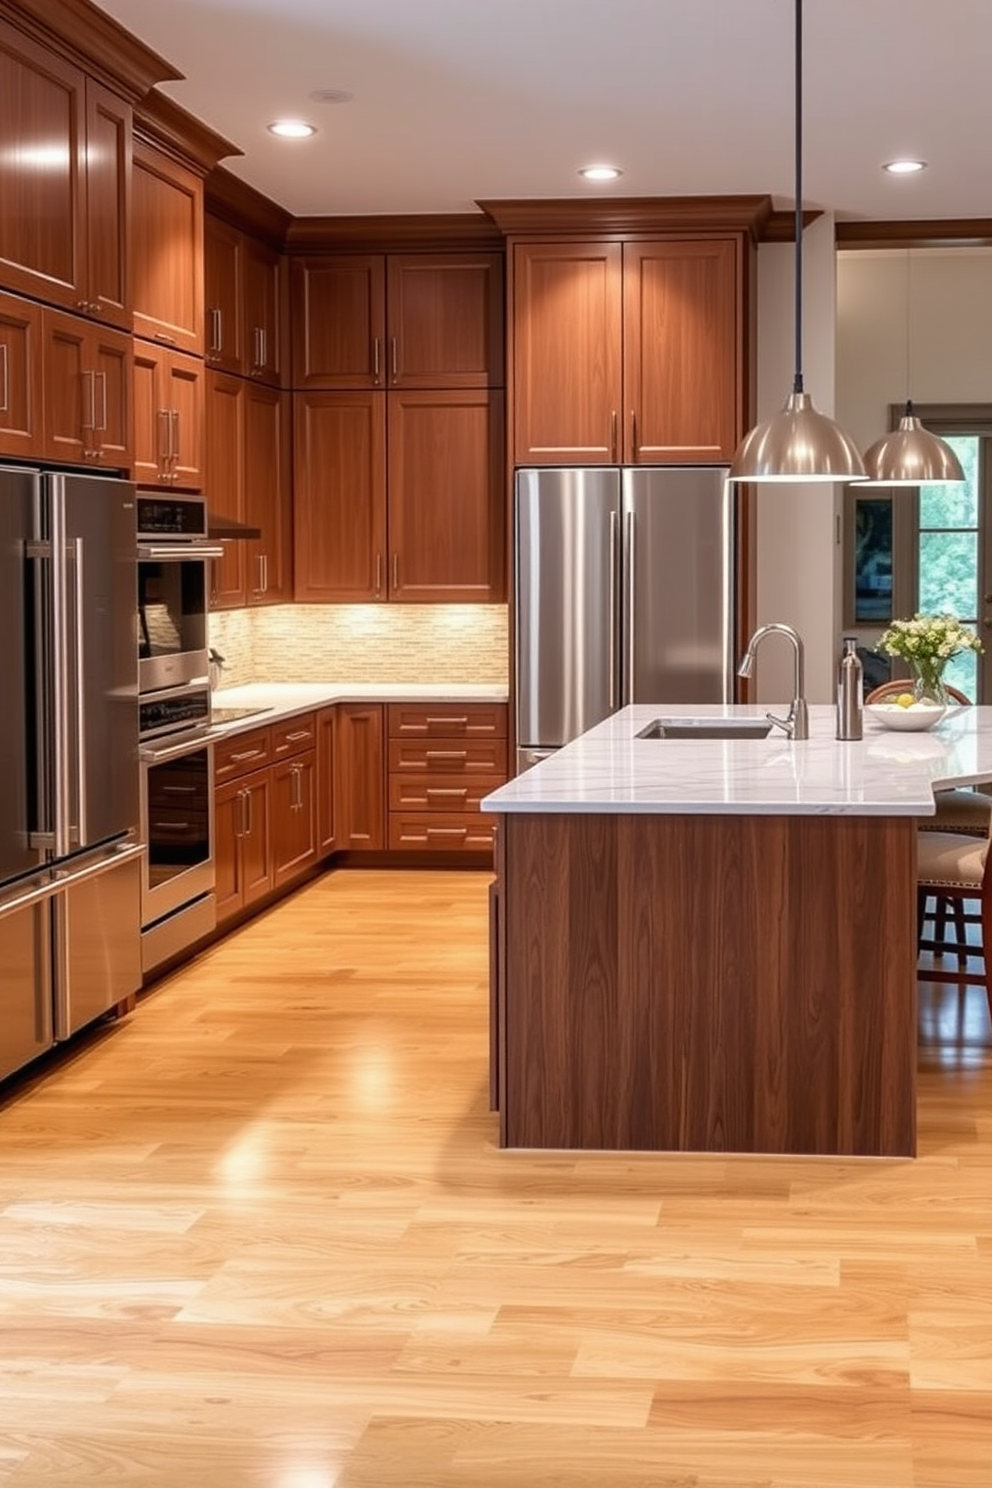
(911,455)
(798,443)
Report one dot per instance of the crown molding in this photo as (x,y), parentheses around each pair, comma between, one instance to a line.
(447,232)
(627,215)
(242,206)
(781,225)
(91,40)
(161,122)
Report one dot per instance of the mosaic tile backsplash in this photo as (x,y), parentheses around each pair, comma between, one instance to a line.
(362,643)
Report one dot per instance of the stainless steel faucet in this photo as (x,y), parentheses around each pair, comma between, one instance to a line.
(796,725)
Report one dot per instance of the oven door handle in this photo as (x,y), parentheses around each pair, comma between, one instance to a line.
(161,754)
(178,552)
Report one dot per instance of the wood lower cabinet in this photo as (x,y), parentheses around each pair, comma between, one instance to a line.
(167,257)
(442,759)
(360,777)
(628,352)
(21,377)
(65,180)
(168,418)
(265,811)
(88,375)
(327,814)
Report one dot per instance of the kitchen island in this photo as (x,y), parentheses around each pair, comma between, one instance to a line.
(708,944)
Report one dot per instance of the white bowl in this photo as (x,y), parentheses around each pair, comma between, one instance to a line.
(905,720)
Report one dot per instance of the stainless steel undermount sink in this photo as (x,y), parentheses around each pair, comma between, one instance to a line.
(706,728)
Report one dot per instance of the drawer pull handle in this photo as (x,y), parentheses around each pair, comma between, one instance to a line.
(171,826)
(456,722)
(447,831)
(446,754)
(298,735)
(179,790)
(438,790)
(246,754)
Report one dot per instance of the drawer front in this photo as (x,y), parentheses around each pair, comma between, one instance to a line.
(448,793)
(447,721)
(295,735)
(409,830)
(449,756)
(234,757)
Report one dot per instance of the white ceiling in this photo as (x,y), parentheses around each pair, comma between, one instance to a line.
(460,100)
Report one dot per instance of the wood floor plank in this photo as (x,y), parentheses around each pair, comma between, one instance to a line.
(260,1234)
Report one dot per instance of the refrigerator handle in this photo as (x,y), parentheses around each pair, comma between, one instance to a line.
(59,621)
(614,618)
(631,611)
(75,660)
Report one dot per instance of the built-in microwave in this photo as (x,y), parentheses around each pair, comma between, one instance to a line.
(173,589)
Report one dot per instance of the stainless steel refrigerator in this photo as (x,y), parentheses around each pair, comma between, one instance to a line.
(70,885)
(624,593)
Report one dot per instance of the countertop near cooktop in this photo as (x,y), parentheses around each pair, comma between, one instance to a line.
(280,700)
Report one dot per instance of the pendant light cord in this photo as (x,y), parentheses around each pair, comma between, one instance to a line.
(797,386)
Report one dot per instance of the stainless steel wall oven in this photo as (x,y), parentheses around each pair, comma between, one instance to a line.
(173,589)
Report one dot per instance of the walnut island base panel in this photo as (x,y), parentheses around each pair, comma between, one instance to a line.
(707,983)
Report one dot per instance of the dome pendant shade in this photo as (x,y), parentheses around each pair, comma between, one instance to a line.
(797,444)
(911,456)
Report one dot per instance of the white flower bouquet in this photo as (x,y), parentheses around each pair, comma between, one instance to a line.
(927,643)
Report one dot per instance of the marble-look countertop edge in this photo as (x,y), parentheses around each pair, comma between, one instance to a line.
(277,701)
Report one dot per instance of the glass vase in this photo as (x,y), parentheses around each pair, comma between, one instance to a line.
(927,675)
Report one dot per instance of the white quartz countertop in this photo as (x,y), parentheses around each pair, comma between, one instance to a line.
(887,773)
(278,700)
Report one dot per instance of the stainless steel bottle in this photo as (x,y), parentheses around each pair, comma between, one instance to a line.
(850,704)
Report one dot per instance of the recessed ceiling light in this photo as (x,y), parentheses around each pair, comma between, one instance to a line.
(291,129)
(600,172)
(904,167)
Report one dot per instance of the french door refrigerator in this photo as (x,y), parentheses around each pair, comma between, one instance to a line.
(624,593)
(70,917)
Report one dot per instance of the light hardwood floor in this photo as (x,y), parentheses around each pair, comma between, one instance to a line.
(259,1235)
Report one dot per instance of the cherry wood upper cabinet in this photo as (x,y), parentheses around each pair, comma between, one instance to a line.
(223,274)
(268,495)
(168,417)
(167,261)
(445,496)
(262,336)
(628,352)
(339,321)
(340,496)
(683,344)
(21,430)
(567,336)
(418,320)
(224,480)
(88,377)
(444,320)
(65,171)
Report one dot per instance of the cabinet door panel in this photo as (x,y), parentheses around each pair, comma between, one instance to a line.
(42,126)
(151,416)
(682,351)
(112,364)
(108,205)
(445,320)
(70,392)
(340,479)
(446,500)
(167,258)
(21,431)
(256,844)
(294,818)
(339,321)
(223,472)
(267,494)
(223,258)
(183,392)
(327,722)
(229,817)
(361,782)
(567,362)
(262,311)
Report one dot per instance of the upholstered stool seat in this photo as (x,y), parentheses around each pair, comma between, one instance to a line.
(951,868)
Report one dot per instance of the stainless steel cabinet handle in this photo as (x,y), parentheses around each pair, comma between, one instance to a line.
(446,754)
(246,754)
(239,828)
(447,791)
(395,357)
(5,375)
(164,442)
(375,359)
(89,383)
(175,422)
(614,639)
(633,434)
(613,435)
(396,573)
(447,831)
(249,805)
(265,573)
(297,735)
(172,826)
(179,790)
(216,330)
(101,378)
(264,345)
(378,573)
(461,722)
(256,347)
(80,669)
